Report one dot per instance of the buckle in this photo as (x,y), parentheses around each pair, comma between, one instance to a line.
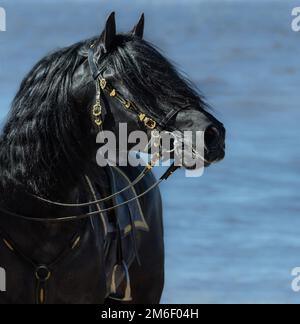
(148,122)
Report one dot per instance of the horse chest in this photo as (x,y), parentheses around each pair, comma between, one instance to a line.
(69,274)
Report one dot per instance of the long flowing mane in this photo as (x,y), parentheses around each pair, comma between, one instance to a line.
(41,114)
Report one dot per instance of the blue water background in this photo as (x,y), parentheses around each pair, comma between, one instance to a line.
(232,236)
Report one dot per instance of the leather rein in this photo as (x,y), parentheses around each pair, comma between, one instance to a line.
(149,123)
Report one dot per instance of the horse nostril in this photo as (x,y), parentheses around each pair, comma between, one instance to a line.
(211,137)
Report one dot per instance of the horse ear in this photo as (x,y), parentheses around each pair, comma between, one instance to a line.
(109,33)
(138,30)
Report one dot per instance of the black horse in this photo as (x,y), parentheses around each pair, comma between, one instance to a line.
(104,253)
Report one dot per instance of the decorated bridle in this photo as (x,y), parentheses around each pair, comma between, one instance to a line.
(102,85)
(148,122)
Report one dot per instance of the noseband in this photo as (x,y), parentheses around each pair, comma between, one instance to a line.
(148,122)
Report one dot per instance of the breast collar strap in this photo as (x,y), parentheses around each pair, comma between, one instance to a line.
(42,273)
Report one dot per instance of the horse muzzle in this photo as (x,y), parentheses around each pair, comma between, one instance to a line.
(214,139)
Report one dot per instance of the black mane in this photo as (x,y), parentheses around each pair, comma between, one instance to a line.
(44,139)
(37,133)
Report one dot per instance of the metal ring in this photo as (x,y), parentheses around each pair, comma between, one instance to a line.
(97,110)
(42,273)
